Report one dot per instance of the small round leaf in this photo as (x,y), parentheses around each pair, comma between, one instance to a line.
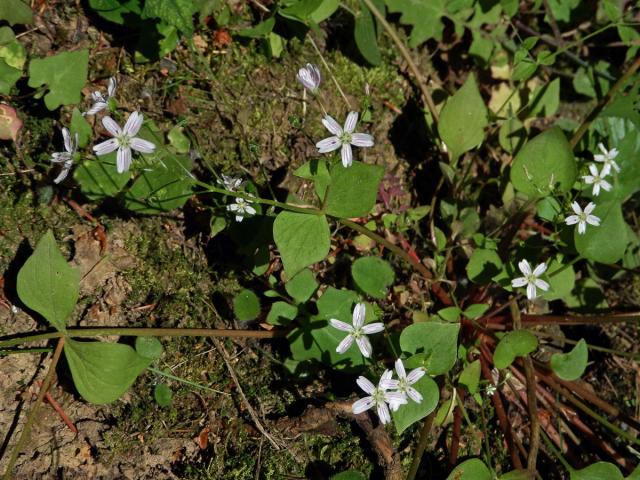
(570,366)
(372,275)
(246,305)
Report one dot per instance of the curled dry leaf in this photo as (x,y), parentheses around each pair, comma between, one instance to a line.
(10,123)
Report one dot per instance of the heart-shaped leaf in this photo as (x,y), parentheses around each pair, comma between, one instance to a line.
(412,412)
(303,239)
(571,365)
(514,344)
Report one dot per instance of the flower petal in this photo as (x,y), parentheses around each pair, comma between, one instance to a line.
(63,173)
(112,127)
(373,328)
(331,125)
(524,267)
(540,269)
(111,89)
(589,208)
(361,140)
(362,405)
(588,179)
(593,220)
(351,122)
(344,345)
(383,413)
(106,147)
(519,282)
(400,371)
(134,122)
(123,160)
(60,157)
(531,291)
(388,384)
(359,312)
(572,219)
(329,144)
(606,185)
(414,395)
(576,208)
(347,155)
(365,346)
(97,107)
(395,397)
(415,375)
(67,140)
(582,227)
(606,170)
(340,325)
(593,169)
(541,284)
(142,145)
(365,384)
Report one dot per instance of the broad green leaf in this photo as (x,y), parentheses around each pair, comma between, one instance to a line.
(102,372)
(544,164)
(353,190)
(450,314)
(301,10)
(373,276)
(64,74)
(282,313)
(149,347)
(324,11)
(365,34)
(80,126)
(337,304)
(425,18)
(178,140)
(348,475)
(514,344)
(475,310)
(562,9)
(463,119)
(561,279)
(436,340)
(302,286)
(47,284)
(470,376)
(472,469)
(317,171)
(8,77)
(571,365)
(15,11)
(484,265)
(597,471)
(302,239)
(99,178)
(162,394)
(607,242)
(512,135)
(412,412)
(544,101)
(246,305)
(515,475)
(178,13)
(261,30)
(116,10)
(11,51)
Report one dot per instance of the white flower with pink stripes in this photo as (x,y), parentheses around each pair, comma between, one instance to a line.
(379,397)
(358,331)
(343,138)
(404,382)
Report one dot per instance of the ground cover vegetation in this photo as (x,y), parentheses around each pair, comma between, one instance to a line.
(319,239)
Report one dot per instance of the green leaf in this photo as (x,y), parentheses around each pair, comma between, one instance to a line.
(348,475)
(514,344)
(544,164)
(450,314)
(545,100)
(282,313)
(372,275)
(515,475)
(470,376)
(149,347)
(484,265)
(463,119)
(15,11)
(424,17)
(47,284)
(472,469)
(413,412)
(366,36)
(301,10)
(178,13)
(8,77)
(597,471)
(99,179)
(101,371)
(302,239)
(607,242)
(512,135)
(353,190)
(246,305)
(80,126)
(64,74)
(475,311)
(11,51)
(116,10)
(317,171)
(162,394)
(570,366)
(562,282)
(178,140)
(438,342)
(324,11)
(302,286)
(261,30)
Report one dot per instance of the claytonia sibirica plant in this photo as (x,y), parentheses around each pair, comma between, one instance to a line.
(598,179)
(404,383)
(358,331)
(379,396)
(531,279)
(242,208)
(343,138)
(607,157)
(231,183)
(124,140)
(100,102)
(66,158)
(309,76)
(582,217)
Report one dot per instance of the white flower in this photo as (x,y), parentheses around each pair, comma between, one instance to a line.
(491,390)
(124,140)
(357,331)
(378,397)
(100,102)
(66,158)
(582,218)
(404,383)
(530,278)
(608,157)
(343,137)
(241,208)
(309,76)
(231,183)
(597,179)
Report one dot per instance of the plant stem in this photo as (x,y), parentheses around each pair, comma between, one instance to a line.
(145,332)
(422,84)
(603,103)
(31,418)
(422,445)
(579,319)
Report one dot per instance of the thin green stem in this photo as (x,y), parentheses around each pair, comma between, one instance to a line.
(422,445)
(31,418)
(326,66)
(555,451)
(184,380)
(144,332)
